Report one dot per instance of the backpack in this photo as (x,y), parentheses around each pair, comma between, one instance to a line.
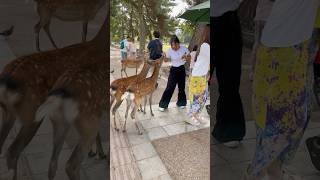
(122,45)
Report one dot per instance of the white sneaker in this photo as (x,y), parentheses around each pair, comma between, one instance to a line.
(161,109)
(182,107)
(203,120)
(232,144)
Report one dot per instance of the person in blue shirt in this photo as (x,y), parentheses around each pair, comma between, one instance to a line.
(155,46)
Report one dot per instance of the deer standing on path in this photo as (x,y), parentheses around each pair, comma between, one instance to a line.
(79,97)
(119,86)
(131,63)
(65,10)
(24,85)
(135,92)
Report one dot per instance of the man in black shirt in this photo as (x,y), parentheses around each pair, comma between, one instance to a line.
(155,46)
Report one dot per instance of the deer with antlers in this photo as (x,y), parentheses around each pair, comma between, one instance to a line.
(65,10)
(79,97)
(24,85)
(136,91)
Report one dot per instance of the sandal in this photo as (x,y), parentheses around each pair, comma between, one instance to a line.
(202,120)
(193,121)
(313,146)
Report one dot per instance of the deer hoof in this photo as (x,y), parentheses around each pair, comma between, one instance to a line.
(117,129)
(124,130)
(92,154)
(152,114)
(140,133)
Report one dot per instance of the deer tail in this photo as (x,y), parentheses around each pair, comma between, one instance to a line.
(58,105)
(9,93)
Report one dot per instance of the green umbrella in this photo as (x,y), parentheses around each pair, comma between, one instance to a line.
(198,13)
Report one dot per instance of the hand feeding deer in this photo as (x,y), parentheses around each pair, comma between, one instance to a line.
(79,97)
(21,95)
(65,10)
(136,91)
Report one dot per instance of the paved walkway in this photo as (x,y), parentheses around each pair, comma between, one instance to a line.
(133,156)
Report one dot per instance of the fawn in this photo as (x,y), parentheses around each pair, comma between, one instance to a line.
(136,91)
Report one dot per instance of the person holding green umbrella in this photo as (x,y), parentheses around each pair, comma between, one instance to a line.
(226,56)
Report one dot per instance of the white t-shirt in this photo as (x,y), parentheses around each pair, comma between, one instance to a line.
(221,6)
(201,66)
(176,56)
(291,22)
(263,10)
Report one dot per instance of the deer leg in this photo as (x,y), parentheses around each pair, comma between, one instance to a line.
(100,151)
(78,154)
(84,31)
(150,104)
(25,135)
(37,29)
(112,100)
(47,30)
(125,72)
(133,117)
(60,131)
(145,103)
(129,102)
(7,123)
(114,110)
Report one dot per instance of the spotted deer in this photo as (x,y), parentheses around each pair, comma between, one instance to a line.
(24,85)
(131,63)
(79,98)
(119,86)
(136,91)
(65,10)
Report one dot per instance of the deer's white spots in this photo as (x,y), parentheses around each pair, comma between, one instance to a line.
(89,94)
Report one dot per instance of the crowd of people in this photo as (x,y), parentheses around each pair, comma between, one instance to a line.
(283,58)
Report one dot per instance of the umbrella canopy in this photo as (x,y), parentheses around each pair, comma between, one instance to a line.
(198,13)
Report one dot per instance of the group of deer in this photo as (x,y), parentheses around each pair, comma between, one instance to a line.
(67,86)
(134,89)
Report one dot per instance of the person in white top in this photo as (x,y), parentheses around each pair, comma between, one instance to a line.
(131,48)
(229,128)
(178,55)
(262,13)
(198,82)
(281,99)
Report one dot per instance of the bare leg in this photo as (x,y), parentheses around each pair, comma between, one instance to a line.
(84,31)
(60,130)
(47,30)
(7,123)
(22,140)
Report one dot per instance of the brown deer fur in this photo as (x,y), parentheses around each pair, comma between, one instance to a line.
(131,63)
(65,10)
(136,91)
(24,84)
(79,97)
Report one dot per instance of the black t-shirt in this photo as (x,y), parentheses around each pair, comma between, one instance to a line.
(155,49)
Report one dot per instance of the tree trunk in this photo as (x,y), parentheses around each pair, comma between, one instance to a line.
(142,27)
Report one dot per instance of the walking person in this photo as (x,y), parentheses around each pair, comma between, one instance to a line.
(229,128)
(262,13)
(198,81)
(155,46)
(123,49)
(280,88)
(178,55)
